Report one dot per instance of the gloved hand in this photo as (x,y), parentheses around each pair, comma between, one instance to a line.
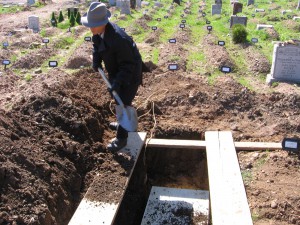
(115,86)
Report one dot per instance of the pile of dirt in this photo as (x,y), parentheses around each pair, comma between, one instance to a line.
(34,59)
(256,61)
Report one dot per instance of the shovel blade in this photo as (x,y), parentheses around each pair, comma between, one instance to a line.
(127,117)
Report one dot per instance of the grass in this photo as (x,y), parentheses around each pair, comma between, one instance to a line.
(155,55)
(64,42)
(28,77)
(11,9)
(245,82)
(247,176)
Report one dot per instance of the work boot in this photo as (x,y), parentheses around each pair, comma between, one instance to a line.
(113,125)
(117,144)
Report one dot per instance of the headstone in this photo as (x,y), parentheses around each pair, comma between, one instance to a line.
(237,7)
(139,4)
(259,10)
(285,64)
(144,3)
(285,11)
(216,9)
(238,20)
(30,2)
(124,5)
(296,18)
(218,2)
(263,26)
(298,6)
(33,23)
(112,2)
(250,2)
(158,4)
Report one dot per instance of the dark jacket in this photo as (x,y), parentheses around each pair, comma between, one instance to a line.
(120,55)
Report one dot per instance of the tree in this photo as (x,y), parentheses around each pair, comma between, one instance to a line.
(78,18)
(72,19)
(53,20)
(61,17)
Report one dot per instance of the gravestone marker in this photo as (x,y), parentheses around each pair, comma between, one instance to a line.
(218,2)
(216,9)
(250,2)
(124,5)
(139,4)
(238,20)
(144,3)
(285,11)
(112,2)
(263,26)
(259,10)
(30,2)
(158,4)
(33,23)
(237,7)
(285,64)
(298,6)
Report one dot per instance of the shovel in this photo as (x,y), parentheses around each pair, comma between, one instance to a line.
(126,115)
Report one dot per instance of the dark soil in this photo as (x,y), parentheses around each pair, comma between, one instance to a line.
(54,128)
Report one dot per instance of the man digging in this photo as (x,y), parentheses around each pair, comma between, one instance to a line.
(121,58)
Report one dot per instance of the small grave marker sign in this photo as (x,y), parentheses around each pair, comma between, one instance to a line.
(5,44)
(53,63)
(173,67)
(87,38)
(221,43)
(46,41)
(254,40)
(225,69)
(173,40)
(182,26)
(5,62)
(291,144)
(154,28)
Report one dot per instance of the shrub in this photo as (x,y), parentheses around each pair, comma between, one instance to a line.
(78,18)
(72,19)
(61,17)
(53,20)
(239,33)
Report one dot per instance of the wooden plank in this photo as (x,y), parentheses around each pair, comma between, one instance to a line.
(201,145)
(94,212)
(176,206)
(228,198)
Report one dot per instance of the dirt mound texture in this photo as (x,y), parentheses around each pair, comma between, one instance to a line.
(54,126)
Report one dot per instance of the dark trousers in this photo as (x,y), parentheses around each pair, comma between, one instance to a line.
(127,94)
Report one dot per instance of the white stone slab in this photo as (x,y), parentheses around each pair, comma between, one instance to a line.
(285,64)
(296,17)
(176,206)
(263,26)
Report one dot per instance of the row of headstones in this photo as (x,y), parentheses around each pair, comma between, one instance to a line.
(286,57)
(34,24)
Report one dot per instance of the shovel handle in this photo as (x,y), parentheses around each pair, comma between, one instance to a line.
(114,93)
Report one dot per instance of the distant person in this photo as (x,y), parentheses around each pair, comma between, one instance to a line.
(121,58)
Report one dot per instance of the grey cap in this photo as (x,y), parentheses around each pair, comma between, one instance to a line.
(97,15)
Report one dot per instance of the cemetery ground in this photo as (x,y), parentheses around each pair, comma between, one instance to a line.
(54,121)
